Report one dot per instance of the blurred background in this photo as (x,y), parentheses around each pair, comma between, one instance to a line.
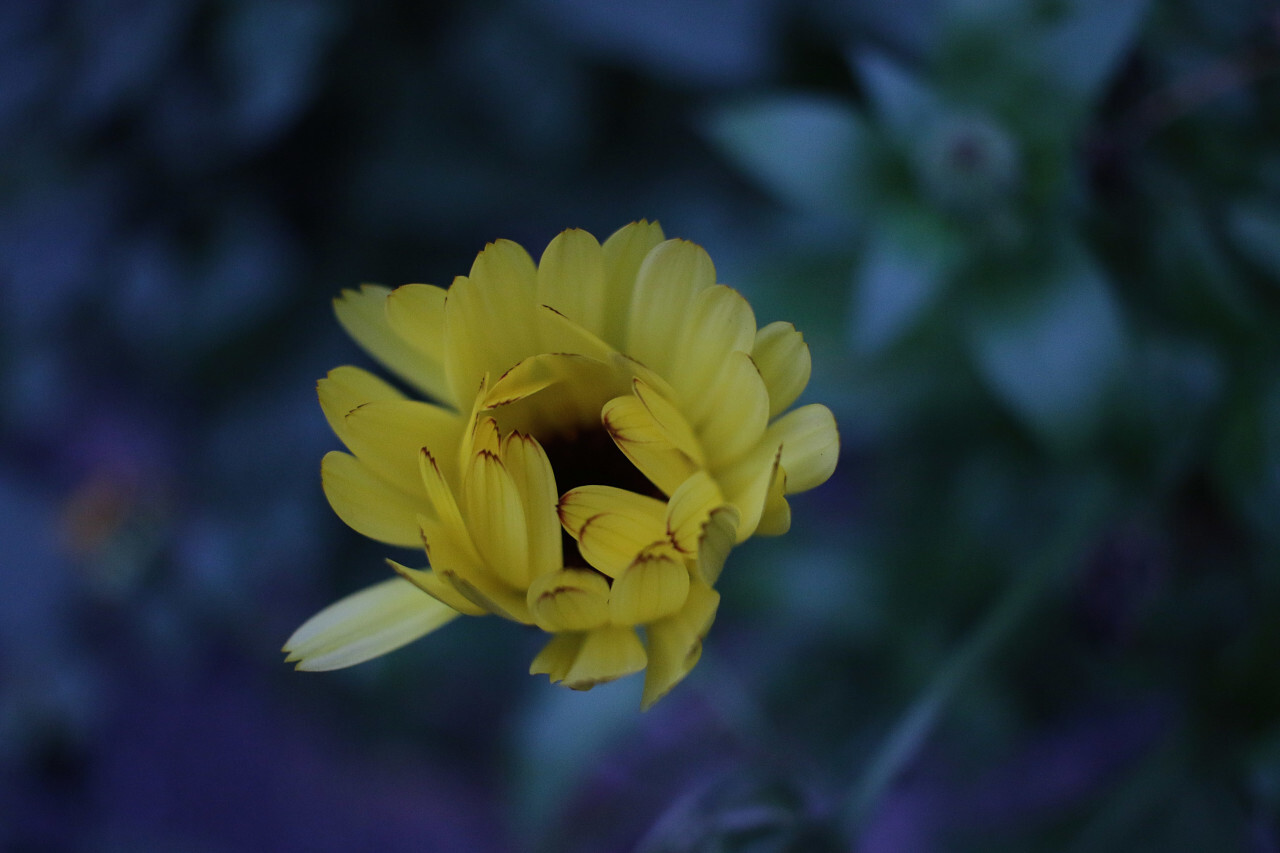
(1034,247)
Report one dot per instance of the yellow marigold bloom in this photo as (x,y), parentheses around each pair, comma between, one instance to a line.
(513,481)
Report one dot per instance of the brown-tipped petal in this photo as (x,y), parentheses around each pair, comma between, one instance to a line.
(675,643)
(610,542)
(579,505)
(367,503)
(569,600)
(785,364)
(688,510)
(633,429)
(606,654)
(496,520)
(810,446)
(366,624)
(436,587)
(653,586)
(530,469)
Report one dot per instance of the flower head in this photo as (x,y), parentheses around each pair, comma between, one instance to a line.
(609,423)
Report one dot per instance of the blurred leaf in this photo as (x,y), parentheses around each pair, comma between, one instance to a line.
(1255,229)
(1051,352)
(1084,51)
(806,150)
(905,267)
(901,101)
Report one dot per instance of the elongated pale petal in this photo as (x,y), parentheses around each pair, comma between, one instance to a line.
(368,504)
(653,586)
(735,411)
(624,252)
(610,542)
(376,620)
(746,484)
(670,277)
(719,322)
(346,388)
(363,313)
(578,505)
(495,517)
(783,358)
(718,537)
(415,312)
(530,469)
(675,643)
(387,435)
(606,654)
(438,588)
(557,656)
(571,278)
(689,508)
(810,446)
(633,429)
(569,600)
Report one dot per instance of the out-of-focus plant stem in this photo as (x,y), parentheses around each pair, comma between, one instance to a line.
(1077,529)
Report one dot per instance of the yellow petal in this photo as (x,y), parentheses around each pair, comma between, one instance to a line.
(440,495)
(636,433)
(438,588)
(776,518)
(735,410)
(368,504)
(669,420)
(559,333)
(557,656)
(675,643)
(747,483)
(495,519)
(719,321)
(415,312)
(653,586)
(783,358)
(578,505)
(554,391)
(571,278)
(387,435)
(376,620)
(569,600)
(624,252)
(530,469)
(489,594)
(610,542)
(363,314)
(346,388)
(718,537)
(606,654)
(810,446)
(689,508)
(670,277)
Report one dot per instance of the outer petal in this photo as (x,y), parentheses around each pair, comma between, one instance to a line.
(675,643)
(747,484)
(783,358)
(734,412)
(719,322)
(571,278)
(415,312)
(346,388)
(671,276)
(388,435)
(557,656)
(653,586)
(606,654)
(366,624)
(624,252)
(368,504)
(363,314)
(810,446)
(438,588)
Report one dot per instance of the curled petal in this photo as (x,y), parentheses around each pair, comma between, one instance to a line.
(368,504)
(783,358)
(569,600)
(606,654)
(810,446)
(653,586)
(675,643)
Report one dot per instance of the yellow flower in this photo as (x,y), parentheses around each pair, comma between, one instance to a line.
(610,423)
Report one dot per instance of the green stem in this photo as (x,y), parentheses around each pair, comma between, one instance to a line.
(1000,623)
